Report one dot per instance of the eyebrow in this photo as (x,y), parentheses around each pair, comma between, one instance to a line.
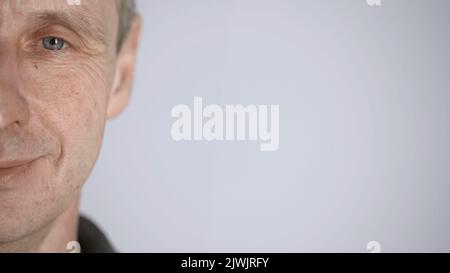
(81,23)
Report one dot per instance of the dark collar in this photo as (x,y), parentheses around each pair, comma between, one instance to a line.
(92,239)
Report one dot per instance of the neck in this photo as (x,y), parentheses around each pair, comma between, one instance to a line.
(63,231)
(55,237)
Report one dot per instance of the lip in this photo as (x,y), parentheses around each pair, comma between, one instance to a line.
(14,163)
(11,169)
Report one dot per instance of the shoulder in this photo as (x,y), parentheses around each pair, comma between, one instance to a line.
(91,238)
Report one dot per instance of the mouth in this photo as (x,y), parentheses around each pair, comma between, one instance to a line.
(11,169)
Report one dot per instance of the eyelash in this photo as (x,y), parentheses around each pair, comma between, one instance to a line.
(42,44)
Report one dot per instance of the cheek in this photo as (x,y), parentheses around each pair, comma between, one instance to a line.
(71,101)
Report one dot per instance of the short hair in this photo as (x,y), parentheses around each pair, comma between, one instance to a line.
(127,14)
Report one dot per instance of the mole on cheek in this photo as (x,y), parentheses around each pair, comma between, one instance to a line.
(36,66)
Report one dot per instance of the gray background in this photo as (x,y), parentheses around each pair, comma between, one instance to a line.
(364,138)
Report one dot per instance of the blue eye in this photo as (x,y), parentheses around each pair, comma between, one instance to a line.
(53,43)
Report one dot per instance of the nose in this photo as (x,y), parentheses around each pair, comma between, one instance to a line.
(13,106)
(14,109)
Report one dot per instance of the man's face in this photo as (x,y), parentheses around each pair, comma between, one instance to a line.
(57,78)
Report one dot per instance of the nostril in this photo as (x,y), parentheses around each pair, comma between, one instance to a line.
(5,122)
(14,112)
(14,108)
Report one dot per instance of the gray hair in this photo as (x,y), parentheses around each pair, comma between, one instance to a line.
(127,14)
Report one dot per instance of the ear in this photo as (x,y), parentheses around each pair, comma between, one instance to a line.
(124,75)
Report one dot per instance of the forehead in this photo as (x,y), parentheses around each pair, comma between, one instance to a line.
(102,13)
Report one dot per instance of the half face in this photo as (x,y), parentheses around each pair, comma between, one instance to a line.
(57,71)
